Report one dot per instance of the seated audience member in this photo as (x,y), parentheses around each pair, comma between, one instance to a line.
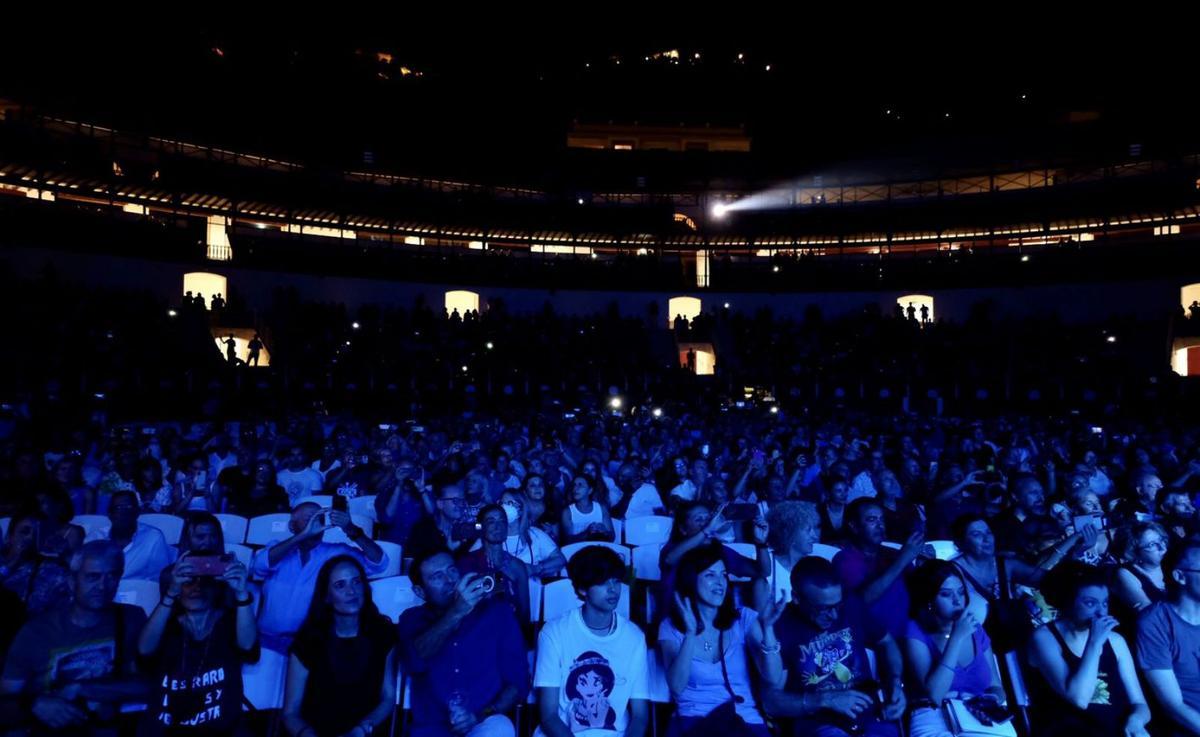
(263,495)
(510,575)
(586,516)
(829,688)
(74,667)
(146,550)
(1140,502)
(193,648)
(41,583)
(58,538)
(290,569)
(402,504)
(1026,524)
(1139,582)
(707,645)
(297,479)
(637,498)
(1177,514)
(591,672)
(873,571)
(794,528)
(992,579)
(1168,639)
(465,653)
(447,527)
(1089,684)
(833,512)
(530,545)
(542,512)
(341,677)
(947,653)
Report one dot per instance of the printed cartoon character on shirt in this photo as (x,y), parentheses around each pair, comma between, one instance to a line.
(826,655)
(589,684)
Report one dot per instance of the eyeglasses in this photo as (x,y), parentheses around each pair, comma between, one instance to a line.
(1188,570)
(1155,545)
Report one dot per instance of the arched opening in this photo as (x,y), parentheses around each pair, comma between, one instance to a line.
(699,358)
(462,300)
(1188,294)
(1185,356)
(689,307)
(241,340)
(207,284)
(921,307)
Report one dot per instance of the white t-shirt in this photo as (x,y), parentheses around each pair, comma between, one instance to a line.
(685,490)
(316,466)
(540,548)
(781,580)
(861,486)
(646,502)
(299,484)
(597,675)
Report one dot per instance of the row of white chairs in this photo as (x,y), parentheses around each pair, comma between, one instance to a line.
(259,531)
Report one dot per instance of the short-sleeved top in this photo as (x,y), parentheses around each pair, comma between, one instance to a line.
(345,674)
(973,678)
(50,652)
(531,550)
(597,674)
(826,660)
(198,685)
(1166,642)
(706,685)
(42,585)
(891,608)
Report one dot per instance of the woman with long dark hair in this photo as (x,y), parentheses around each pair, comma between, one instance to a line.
(707,644)
(341,673)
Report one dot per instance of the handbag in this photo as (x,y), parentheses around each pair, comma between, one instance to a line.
(964,721)
(1009,622)
(723,721)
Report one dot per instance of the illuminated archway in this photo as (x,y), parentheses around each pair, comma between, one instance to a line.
(1187,294)
(208,284)
(1185,356)
(689,307)
(241,340)
(462,300)
(917,301)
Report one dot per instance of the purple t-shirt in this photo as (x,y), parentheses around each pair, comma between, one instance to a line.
(892,607)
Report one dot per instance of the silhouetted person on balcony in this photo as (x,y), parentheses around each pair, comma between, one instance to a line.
(1194,310)
(256,346)
(200,302)
(899,311)
(218,303)
(691,360)
(230,350)
(924,314)
(681,323)
(188,302)
(912,312)
(455,318)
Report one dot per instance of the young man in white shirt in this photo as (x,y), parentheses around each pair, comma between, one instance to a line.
(591,675)
(145,549)
(297,478)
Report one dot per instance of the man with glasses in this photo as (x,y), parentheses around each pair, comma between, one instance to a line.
(445,528)
(464,650)
(829,688)
(1168,641)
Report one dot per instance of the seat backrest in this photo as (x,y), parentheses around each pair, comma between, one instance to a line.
(559,597)
(1020,691)
(943,549)
(139,593)
(335,534)
(233,527)
(170,525)
(363,506)
(393,595)
(268,528)
(395,555)
(94,526)
(325,500)
(746,550)
(821,550)
(618,530)
(243,553)
(645,562)
(648,530)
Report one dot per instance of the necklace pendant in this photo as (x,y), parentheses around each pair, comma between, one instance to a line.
(708,647)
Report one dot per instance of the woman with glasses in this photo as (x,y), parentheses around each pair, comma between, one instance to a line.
(1139,581)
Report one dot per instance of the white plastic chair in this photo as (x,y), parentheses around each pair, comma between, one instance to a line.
(170,525)
(645,562)
(363,506)
(943,549)
(262,682)
(95,526)
(394,557)
(139,593)
(892,545)
(746,550)
(233,527)
(648,530)
(335,534)
(325,500)
(268,528)
(618,530)
(393,595)
(559,597)
(821,550)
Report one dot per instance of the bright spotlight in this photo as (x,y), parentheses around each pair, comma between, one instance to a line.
(657,412)
(579,201)
(489,345)
(775,269)
(1025,258)
(774,410)
(720,210)
(1112,339)
(464,368)
(171,313)
(615,403)
(355,325)
(727,305)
